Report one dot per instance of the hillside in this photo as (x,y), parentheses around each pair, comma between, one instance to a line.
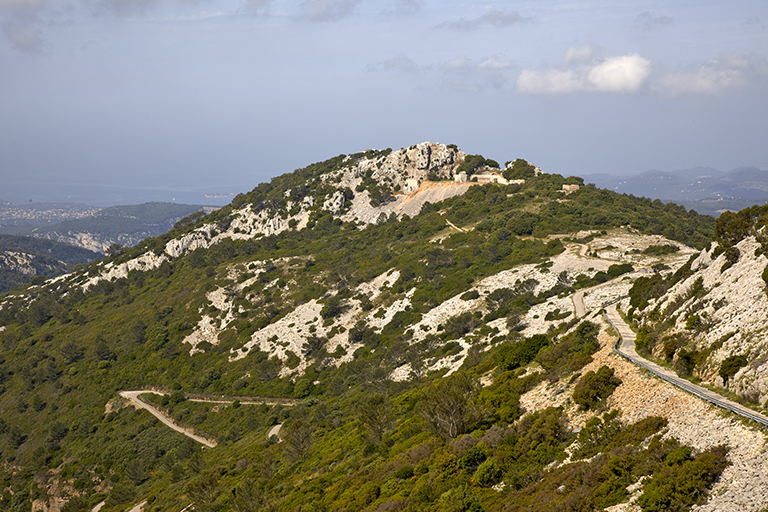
(708,320)
(422,334)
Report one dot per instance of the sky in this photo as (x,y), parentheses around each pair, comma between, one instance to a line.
(109,102)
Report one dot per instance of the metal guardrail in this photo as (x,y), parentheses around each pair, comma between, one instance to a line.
(682,384)
(613,301)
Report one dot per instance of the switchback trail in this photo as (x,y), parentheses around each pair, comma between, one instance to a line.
(625,347)
(133,396)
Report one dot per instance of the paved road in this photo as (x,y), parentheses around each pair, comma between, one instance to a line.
(626,348)
(579,310)
(133,396)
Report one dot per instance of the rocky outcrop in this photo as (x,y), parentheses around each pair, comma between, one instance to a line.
(398,171)
(18,262)
(95,242)
(729,304)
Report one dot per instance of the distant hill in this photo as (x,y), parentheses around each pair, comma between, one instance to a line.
(706,190)
(23,258)
(18,219)
(122,225)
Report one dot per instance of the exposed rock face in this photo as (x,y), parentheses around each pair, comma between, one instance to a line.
(94,242)
(145,262)
(732,310)
(17,262)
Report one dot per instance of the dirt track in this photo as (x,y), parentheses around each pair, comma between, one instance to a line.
(133,396)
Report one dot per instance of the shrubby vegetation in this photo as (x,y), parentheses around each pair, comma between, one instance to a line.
(594,387)
(519,170)
(356,440)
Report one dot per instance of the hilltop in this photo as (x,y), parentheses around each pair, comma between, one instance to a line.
(430,320)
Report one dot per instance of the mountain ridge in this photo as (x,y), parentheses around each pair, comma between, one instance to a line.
(704,189)
(320,286)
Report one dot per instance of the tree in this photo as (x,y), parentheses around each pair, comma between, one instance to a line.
(114,249)
(299,438)
(448,408)
(71,351)
(204,490)
(249,497)
(376,415)
(730,367)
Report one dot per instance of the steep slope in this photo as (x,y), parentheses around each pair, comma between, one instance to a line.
(714,311)
(374,308)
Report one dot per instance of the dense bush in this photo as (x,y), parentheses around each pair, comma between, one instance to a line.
(594,387)
(730,366)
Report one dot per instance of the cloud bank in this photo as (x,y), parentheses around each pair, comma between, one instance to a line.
(625,73)
(401,63)
(731,70)
(648,21)
(328,10)
(468,75)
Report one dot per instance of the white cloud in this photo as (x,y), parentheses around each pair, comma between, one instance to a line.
(198,16)
(122,7)
(328,10)
(626,73)
(548,82)
(25,35)
(403,6)
(620,74)
(492,18)
(255,6)
(21,23)
(580,55)
(730,70)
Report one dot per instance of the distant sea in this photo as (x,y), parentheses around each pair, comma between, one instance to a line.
(108,195)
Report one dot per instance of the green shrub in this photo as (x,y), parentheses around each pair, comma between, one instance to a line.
(730,366)
(488,474)
(594,387)
(683,481)
(515,354)
(404,472)
(471,294)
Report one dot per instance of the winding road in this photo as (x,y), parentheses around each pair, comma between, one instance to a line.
(625,347)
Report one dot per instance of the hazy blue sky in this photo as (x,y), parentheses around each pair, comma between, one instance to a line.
(124,101)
